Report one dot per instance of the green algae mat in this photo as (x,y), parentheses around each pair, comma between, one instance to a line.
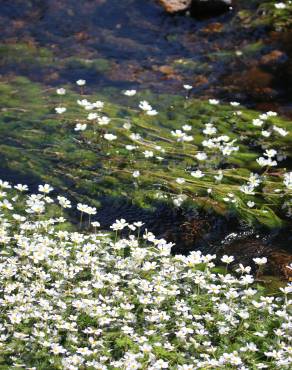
(204,155)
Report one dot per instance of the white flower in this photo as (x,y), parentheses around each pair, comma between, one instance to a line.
(80,127)
(187,87)
(197,174)
(83,102)
(220,175)
(84,208)
(257,122)
(91,210)
(130,147)
(127,125)
(201,156)
(60,110)
(280,5)
(238,53)
(288,180)
(19,217)
(21,187)
(136,174)
(270,153)
(95,224)
(45,188)
(280,131)
(254,179)
(110,137)
(177,201)
(228,149)
(180,180)
(234,103)
(260,261)
(264,116)
(92,116)
(272,114)
(243,269)
(103,121)
(36,207)
(135,137)
(187,127)
(188,138)
(266,162)
(151,112)
(144,105)
(98,104)
(119,225)
(227,259)
(61,91)
(266,133)
(57,349)
(209,129)
(247,189)
(250,204)
(130,92)
(81,82)
(181,136)
(213,101)
(287,289)
(64,202)
(138,223)
(148,154)
(5,204)
(89,106)
(5,184)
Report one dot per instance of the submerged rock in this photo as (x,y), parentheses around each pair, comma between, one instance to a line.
(273,58)
(173,6)
(246,248)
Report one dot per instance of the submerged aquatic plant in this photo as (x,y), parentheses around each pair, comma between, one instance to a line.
(225,162)
(215,147)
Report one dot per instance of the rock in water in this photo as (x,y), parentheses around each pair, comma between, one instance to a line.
(173,6)
(206,8)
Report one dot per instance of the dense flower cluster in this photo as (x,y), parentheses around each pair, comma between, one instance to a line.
(72,300)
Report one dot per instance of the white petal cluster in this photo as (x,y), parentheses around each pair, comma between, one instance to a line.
(181,136)
(147,108)
(73,300)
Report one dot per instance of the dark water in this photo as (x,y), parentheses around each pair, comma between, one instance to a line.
(145,47)
(138,45)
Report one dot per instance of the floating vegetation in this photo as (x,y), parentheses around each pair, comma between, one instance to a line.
(217,157)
